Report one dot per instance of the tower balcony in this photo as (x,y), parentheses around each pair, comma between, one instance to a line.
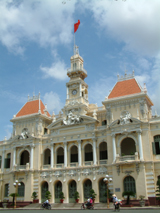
(77,70)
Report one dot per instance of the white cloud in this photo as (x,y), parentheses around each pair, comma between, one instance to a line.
(133,22)
(53,102)
(45,22)
(8,131)
(57,70)
(99,90)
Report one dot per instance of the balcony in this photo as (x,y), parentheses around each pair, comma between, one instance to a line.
(47,166)
(58,166)
(76,70)
(88,163)
(22,167)
(74,164)
(127,158)
(102,162)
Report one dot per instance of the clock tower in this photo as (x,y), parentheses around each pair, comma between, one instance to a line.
(77,89)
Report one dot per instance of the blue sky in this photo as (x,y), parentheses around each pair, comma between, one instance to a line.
(36,43)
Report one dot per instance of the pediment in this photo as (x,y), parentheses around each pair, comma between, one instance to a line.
(81,120)
(130,121)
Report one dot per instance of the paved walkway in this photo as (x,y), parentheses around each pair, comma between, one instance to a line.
(77,206)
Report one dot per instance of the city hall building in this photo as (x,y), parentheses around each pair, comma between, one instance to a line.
(74,150)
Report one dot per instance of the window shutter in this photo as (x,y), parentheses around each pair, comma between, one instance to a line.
(153,148)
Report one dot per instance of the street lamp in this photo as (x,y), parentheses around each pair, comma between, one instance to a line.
(107,180)
(16,184)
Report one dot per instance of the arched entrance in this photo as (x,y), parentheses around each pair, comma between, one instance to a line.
(129,184)
(128,147)
(24,158)
(44,189)
(87,186)
(58,189)
(72,189)
(102,191)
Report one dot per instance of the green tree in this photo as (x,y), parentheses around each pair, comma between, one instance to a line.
(128,194)
(61,195)
(34,195)
(76,195)
(92,193)
(48,195)
(158,190)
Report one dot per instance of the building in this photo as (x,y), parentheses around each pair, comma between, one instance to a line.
(73,151)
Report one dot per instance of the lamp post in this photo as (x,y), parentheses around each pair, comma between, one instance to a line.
(107,180)
(16,184)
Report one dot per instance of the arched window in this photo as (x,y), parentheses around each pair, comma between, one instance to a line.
(74,154)
(47,156)
(88,153)
(103,151)
(128,147)
(21,189)
(60,155)
(129,184)
(7,161)
(156,145)
(24,159)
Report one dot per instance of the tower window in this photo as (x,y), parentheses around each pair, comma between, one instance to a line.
(74,66)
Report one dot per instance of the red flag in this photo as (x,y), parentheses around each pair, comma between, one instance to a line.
(76,25)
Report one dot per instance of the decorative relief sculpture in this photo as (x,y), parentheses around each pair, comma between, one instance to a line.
(72,119)
(24,134)
(125,117)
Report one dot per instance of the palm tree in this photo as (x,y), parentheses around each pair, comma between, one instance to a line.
(128,194)
(13,196)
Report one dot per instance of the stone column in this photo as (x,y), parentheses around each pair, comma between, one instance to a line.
(52,156)
(94,152)
(65,154)
(79,153)
(67,93)
(3,157)
(140,144)
(80,88)
(32,154)
(114,147)
(14,156)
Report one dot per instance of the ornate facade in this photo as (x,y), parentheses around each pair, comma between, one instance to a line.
(74,150)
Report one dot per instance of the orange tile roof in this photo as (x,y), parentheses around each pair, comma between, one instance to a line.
(32,107)
(126,87)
